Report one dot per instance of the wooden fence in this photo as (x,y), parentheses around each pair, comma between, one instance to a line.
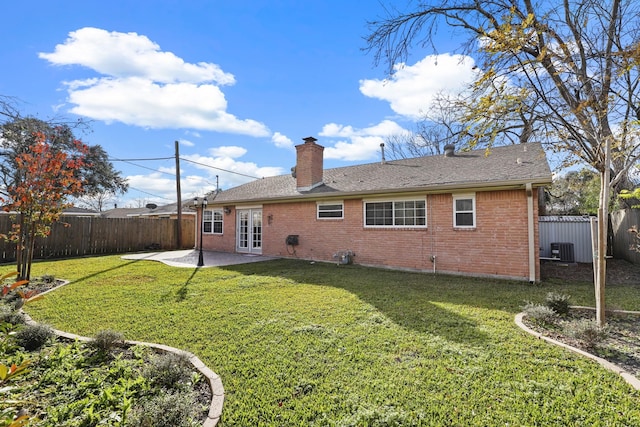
(623,240)
(80,236)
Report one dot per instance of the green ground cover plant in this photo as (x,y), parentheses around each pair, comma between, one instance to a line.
(297,343)
(76,384)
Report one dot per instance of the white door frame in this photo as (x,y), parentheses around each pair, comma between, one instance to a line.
(249,230)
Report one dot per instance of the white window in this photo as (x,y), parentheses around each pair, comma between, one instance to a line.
(464,210)
(212,221)
(395,213)
(333,210)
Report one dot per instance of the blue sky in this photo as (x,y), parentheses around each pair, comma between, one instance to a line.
(237,83)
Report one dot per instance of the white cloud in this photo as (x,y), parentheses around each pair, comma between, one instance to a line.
(358,144)
(198,175)
(143,86)
(186,143)
(411,89)
(193,133)
(281,141)
(231,151)
(231,172)
(156,184)
(131,55)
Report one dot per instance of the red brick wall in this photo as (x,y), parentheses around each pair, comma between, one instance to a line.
(309,164)
(498,246)
(225,242)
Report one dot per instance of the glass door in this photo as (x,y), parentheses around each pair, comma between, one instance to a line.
(249,234)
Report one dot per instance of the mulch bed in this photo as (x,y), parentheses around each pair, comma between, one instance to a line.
(619,272)
(622,345)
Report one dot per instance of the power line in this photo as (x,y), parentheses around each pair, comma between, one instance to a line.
(220,169)
(139,160)
(145,192)
(151,169)
(181,158)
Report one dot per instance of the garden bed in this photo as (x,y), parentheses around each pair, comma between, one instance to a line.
(619,343)
(73,380)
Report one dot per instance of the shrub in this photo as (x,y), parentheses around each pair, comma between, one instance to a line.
(32,337)
(167,409)
(587,331)
(48,278)
(540,314)
(558,303)
(8,314)
(169,370)
(106,340)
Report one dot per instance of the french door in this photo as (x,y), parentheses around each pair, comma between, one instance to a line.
(249,231)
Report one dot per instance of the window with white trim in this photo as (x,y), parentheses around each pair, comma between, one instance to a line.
(464,210)
(334,210)
(212,221)
(396,213)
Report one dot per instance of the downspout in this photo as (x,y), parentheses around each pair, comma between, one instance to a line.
(431,232)
(531,235)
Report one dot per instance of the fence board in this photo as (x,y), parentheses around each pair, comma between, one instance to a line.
(622,221)
(81,236)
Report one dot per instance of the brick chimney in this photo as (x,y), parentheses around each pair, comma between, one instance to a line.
(309,163)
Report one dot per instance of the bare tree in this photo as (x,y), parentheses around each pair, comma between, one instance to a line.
(97,201)
(440,125)
(569,68)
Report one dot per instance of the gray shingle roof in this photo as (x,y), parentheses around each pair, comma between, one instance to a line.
(170,209)
(501,166)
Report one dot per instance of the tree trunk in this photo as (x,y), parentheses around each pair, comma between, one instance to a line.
(603,225)
(32,245)
(20,245)
(601,266)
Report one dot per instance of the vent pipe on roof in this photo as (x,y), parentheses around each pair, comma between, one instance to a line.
(383,161)
(449,150)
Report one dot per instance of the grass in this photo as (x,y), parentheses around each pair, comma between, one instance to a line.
(314,344)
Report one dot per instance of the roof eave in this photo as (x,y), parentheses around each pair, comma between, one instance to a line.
(440,188)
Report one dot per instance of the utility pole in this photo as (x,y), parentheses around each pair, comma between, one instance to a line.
(179,198)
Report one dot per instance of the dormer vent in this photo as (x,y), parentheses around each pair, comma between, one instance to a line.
(449,150)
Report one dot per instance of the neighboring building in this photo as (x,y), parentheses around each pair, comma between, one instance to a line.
(151,211)
(80,212)
(123,212)
(72,211)
(471,213)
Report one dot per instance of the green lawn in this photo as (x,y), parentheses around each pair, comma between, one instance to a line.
(300,344)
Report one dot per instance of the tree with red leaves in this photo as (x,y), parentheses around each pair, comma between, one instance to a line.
(44,179)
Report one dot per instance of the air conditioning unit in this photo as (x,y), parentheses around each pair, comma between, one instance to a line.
(563,251)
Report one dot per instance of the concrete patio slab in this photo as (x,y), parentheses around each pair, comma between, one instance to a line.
(189,258)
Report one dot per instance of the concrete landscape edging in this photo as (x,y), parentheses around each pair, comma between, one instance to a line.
(214,380)
(628,377)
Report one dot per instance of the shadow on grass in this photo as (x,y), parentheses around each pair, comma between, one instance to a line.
(415,301)
(95,273)
(181,293)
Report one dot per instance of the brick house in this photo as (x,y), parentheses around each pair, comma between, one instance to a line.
(469,213)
